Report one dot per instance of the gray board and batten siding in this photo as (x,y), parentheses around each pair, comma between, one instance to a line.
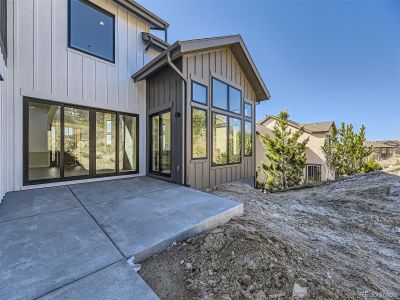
(201,67)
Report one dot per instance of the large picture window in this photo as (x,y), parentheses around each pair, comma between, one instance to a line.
(248,139)
(227,140)
(199,133)
(91,30)
(65,142)
(226,97)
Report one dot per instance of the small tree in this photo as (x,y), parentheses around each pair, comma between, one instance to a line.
(347,153)
(285,155)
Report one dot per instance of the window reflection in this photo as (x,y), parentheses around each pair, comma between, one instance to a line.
(105,142)
(220,139)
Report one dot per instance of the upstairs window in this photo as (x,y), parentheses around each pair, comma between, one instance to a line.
(199,93)
(248,110)
(226,97)
(91,30)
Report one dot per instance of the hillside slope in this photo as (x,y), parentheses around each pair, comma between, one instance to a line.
(337,241)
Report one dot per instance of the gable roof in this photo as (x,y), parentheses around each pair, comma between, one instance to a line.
(315,127)
(324,126)
(262,130)
(234,42)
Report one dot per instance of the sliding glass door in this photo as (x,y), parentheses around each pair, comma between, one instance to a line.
(65,142)
(76,142)
(160,159)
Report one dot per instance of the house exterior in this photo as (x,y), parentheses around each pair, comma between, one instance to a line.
(89,93)
(384,149)
(316,169)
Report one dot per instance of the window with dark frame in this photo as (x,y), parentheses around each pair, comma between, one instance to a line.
(313,173)
(65,142)
(199,93)
(199,133)
(226,140)
(91,30)
(248,110)
(248,138)
(3,28)
(226,97)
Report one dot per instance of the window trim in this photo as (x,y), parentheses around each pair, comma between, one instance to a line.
(102,10)
(244,111)
(191,92)
(314,165)
(191,125)
(227,148)
(244,138)
(228,99)
(92,141)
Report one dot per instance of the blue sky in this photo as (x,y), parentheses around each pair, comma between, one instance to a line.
(321,60)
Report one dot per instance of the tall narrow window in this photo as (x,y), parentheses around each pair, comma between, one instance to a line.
(248,110)
(44,138)
(128,138)
(220,139)
(219,94)
(91,29)
(199,93)
(199,133)
(105,142)
(235,100)
(235,140)
(248,139)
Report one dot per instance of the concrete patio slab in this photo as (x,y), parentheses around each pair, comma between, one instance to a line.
(39,254)
(118,281)
(103,191)
(28,203)
(149,223)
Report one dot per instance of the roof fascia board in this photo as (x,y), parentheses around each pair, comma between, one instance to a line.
(154,41)
(144,13)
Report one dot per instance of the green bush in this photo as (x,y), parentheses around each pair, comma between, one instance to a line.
(371,165)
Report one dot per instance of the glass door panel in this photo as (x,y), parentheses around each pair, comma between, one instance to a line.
(165,138)
(155,144)
(76,142)
(127,155)
(44,136)
(105,142)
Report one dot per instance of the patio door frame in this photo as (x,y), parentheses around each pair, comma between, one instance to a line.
(92,142)
(151,171)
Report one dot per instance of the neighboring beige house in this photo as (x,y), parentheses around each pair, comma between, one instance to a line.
(316,168)
(384,149)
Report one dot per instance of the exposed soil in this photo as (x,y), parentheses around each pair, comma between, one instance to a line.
(337,241)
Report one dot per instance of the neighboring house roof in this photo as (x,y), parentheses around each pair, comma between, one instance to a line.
(234,42)
(262,130)
(382,144)
(315,127)
(324,126)
(136,8)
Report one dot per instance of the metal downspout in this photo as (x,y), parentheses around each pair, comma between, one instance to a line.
(170,63)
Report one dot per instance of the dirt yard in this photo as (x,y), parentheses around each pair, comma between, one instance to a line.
(337,241)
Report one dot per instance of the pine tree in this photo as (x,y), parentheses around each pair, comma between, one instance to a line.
(285,155)
(346,154)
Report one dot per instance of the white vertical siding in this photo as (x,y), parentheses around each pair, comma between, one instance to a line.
(41,65)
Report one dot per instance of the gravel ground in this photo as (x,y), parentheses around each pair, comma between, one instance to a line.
(337,241)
